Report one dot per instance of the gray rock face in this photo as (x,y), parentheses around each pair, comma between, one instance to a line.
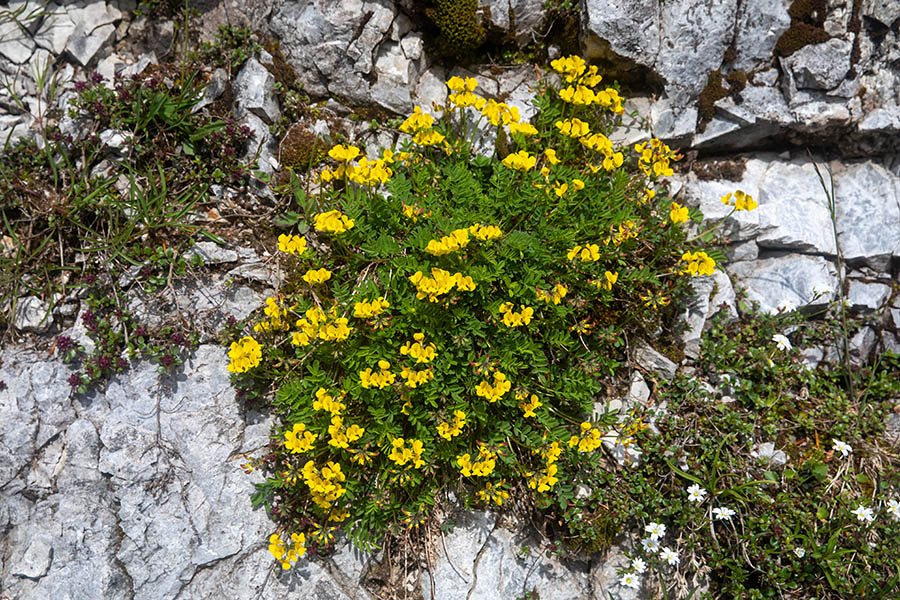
(711,294)
(254,91)
(527,17)
(885,11)
(868,214)
(785,280)
(32,314)
(653,361)
(337,48)
(480,560)
(55,29)
(867,296)
(793,210)
(759,25)
(820,66)
(707,196)
(630,29)
(15,43)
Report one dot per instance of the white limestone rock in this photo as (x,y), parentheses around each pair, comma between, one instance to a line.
(785,280)
(868,214)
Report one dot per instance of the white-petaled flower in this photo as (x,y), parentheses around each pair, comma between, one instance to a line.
(864,514)
(893,509)
(696,493)
(638,565)
(650,545)
(656,530)
(786,306)
(842,447)
(629,580)
(669,555)
(782,342)
(821,290)
(800,551)
(723,513)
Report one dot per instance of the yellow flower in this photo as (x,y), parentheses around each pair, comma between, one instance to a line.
(741,201)
(381,379)
(325,401)
(571,67)
(560,189)
(367,310)
(575,128)
(401,454)
(292,244)
(450,430)
(333,221)
(298,439)
(316,276)
(344,153)
(586,253)
(697,263)
(456,240)
(577,185)
(485,232)
(520,161)
(678,213)
(588,440)
(495,391)
(530,405)
(418,350)
(550,154)
(417,121)
(516,319)
(245,354)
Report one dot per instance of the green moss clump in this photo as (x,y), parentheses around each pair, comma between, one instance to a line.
(798,36)
(737,81)
(807,19)
(460,30)
(706,103)
(301,149)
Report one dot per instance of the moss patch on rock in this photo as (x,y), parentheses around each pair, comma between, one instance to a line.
(807,20)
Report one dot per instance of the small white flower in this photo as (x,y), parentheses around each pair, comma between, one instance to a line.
(650,545)
(893,509)
(786,306)
(782,342)
(669,555)
(800,551)
(820,290)
(638,565)
(629,580)
(842,447)
(864,514)
(723,513)
(696,493)
(656,530)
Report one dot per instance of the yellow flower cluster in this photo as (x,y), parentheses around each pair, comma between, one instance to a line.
(571,67)
(413,379)
(457,239)
(317,276)
(318,324)
(589,439)
(500,113)
(367,309)
(547,478)
(520,161)
(448,431)
(739,200)
(608,281)
(575,128)
(560,188)
(402,454)
(495,391)
(325,485)
(413,212)
(627,230)
(678,213)
(600,143)
(298,439)
(365,172)
(654,300)
(439,283)
(381,379)
(528,405)
(417,121)
(342,437)
(485,232)
(586,253)
(655,157)
(698,263)
(492,493)
(559,292)
(344,154)
(482,467)
(292,244)
(245,354)
(325,401)
(463,95)
(333,221)
(516,319)
(276,313)
(421,352)
(287,556)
